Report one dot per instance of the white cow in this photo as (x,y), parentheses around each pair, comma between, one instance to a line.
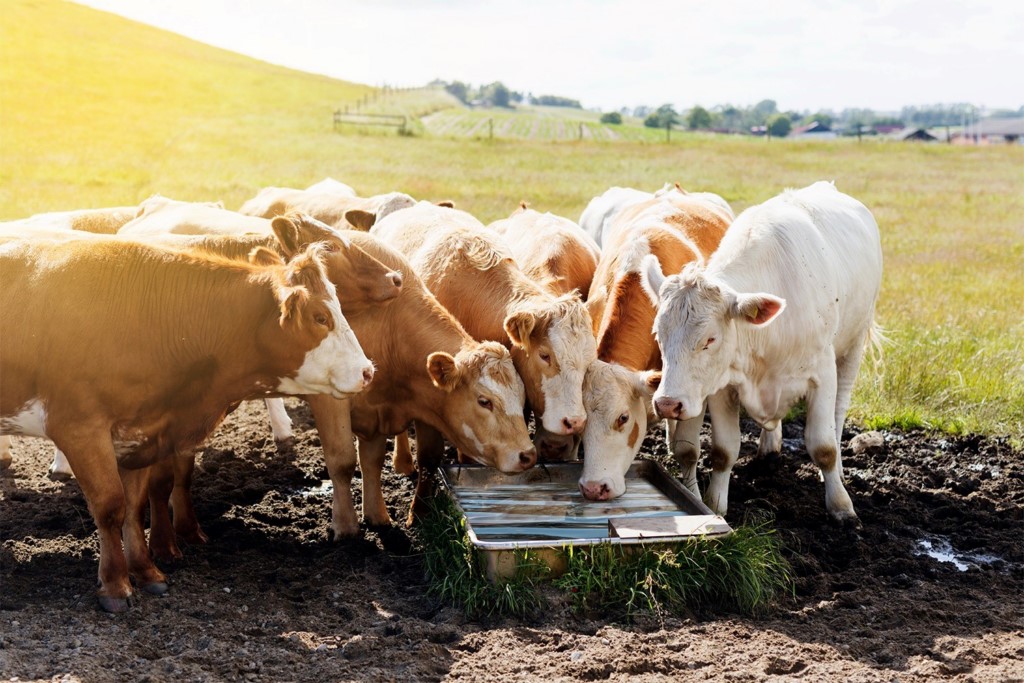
(814,253)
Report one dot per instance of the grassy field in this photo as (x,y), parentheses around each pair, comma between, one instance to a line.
(535,123)
(99,111)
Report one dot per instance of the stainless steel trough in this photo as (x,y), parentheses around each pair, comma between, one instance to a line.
(543,510)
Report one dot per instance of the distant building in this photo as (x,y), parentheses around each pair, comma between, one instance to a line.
(912,135)
(813,131)
(991,130)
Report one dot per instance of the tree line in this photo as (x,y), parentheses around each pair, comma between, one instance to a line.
(497,94)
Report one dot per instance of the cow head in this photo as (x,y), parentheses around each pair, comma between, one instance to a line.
(552,345)
(618,402)
(359,277)
(696,328)
(316,334)
(483,405)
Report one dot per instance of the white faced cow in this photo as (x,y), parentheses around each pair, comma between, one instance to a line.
(782,310)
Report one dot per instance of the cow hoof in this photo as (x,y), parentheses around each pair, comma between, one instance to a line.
(114,605)
(59,476)
(335,536)
(286,444)
(847,520)
(155,588)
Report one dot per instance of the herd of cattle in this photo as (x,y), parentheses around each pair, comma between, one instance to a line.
(130,347)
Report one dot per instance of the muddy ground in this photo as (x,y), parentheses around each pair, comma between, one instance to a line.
(269,599)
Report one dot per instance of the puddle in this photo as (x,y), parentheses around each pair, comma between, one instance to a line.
(324,488)
(939,548)
(555,510)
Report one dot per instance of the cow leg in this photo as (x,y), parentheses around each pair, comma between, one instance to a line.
(186,524)
(162,542)
(334,424)
(820,439)
(280,422)
(140,564)
(5,452)
(95,465)
(846,374)
(770,441)
(402,460)
(429,456)
(372,454)
(684,442)
(60,468)
(725,448)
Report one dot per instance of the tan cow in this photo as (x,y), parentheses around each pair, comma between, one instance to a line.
(677,228)
(330,207)
(183,218)
(104,221)
(151,370)
(474,275)
(552,250)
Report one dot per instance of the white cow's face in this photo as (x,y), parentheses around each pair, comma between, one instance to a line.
(618,403)
(696,329)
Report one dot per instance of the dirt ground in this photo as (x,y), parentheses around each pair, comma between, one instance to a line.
(269,599)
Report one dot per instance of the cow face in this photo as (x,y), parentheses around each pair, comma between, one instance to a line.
(359,277)
(310,316)
(618,402)
(552,346)
(483,406)
(696,329)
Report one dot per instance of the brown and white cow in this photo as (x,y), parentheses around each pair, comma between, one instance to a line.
(330,207)
(152,369)
(783,310)
(474,276)
(676,229)
(553,251)
(429,370)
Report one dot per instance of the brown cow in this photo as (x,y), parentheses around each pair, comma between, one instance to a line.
(677,228)
(152,369)
(330,207)
(552,250)
(474,275)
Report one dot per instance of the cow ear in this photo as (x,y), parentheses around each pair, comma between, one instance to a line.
(295,298)
(443,370)
(287,235)
(446,204)
(652,380)
(519,326)
(360,220)
(651,277)
(309,230)
(261,256)
(757,309)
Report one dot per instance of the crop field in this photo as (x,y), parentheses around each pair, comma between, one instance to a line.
(535,123)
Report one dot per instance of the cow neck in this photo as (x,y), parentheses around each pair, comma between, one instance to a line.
(625,336)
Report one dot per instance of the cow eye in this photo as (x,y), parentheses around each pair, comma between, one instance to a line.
(622,420)
(546,357)
(485,403)
(320,319)
(709,342)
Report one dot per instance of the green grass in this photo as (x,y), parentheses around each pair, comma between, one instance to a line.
(100,111)
(743,572)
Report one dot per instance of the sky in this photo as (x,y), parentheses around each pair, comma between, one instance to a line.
(804,54)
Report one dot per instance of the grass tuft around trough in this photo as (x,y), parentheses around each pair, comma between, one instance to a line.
(743,572)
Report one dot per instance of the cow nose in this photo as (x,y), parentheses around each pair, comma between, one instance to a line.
(528,459)
(595,490)
(574,425)
(367,375)
(396,279)
(668,407)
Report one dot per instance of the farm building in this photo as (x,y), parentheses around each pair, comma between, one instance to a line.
(912,135)
(999,129)
(813,131)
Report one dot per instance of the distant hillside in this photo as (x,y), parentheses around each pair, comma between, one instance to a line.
(88,92)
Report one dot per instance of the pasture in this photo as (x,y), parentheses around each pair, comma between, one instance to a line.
(99,111)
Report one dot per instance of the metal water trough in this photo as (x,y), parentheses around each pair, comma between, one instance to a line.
(543,510)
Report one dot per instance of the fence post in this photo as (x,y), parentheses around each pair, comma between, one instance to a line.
(490,126)
(581,130)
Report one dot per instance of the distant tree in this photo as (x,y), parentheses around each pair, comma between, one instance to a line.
(764,109)
(515,96)
(556,101)
(663,117)
(498,94)
(779,125)
(460,90)
(612,117)
(652,120)
(641,111)
(698,118)
(822,117)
